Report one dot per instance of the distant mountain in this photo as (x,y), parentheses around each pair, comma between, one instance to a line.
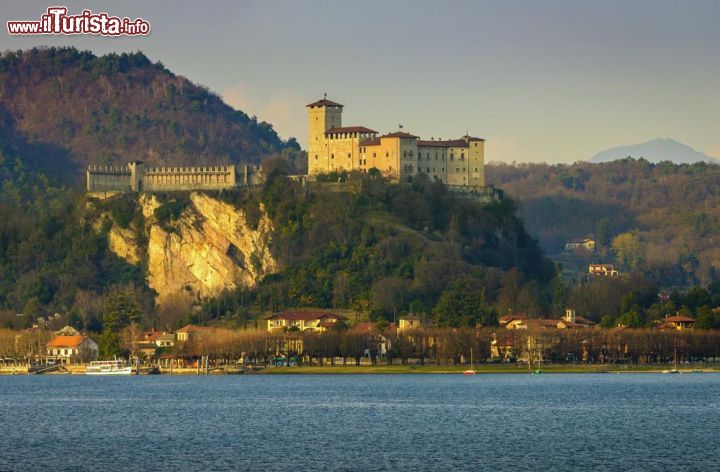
(63,109)
(655,150)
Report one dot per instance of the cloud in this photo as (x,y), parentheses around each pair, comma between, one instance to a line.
(283,110)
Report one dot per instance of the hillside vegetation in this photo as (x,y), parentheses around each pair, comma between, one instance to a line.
(667,215)
(64,109)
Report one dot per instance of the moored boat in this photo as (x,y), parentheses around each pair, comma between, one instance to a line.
(115,367)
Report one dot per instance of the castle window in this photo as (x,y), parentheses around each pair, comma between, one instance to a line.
(475,144)
(374,155)
(462,156)
(332,156)
(348,155)
(387,154)
(428,170)
(452,156)
(476,169)
(316,157)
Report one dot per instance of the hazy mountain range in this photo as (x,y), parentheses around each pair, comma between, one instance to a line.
(655,150)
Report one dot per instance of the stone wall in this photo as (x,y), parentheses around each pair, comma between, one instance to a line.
(136,177)
(108,179)
(163,179)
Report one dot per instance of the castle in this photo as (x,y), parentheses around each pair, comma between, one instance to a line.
(136,177)
(333,147)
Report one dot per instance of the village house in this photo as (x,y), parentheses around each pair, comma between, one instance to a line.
(411,322)
(569,321)
(382,342)
(580,243)
(310,321)
(503,321)
(189,332)
(160,338)
(678,322)
(74,348)
(603,270)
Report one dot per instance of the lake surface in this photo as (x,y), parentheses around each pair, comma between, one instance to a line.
(361,422)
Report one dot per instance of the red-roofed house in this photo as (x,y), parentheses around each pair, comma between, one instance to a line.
(506,319)
(678,322)
(72,348)
(188,332)
(319,321)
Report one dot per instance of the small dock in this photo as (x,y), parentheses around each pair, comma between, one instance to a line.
(48,369)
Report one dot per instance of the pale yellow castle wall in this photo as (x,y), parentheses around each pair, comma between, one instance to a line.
(432,160)
(477,164)
(408,154)
(383,157)
(321,119)
(344,153)
(457,166)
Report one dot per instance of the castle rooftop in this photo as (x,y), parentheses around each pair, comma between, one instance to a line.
(323,103)
(462,142)
(399,134)
(350,129)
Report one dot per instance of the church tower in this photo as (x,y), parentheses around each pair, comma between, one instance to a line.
(322,116)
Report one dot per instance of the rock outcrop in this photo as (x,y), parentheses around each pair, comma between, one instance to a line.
(210,247)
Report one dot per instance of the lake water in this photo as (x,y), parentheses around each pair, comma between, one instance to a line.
(364,422)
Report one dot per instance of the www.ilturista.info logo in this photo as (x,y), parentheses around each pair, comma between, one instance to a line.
(57,21)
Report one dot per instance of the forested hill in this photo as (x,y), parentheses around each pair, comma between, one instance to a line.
(669,213)
(63,109)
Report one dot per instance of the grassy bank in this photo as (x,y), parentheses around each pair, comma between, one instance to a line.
(481,369)
(420,369)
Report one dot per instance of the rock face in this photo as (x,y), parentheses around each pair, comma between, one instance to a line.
(123,242)
(210,247)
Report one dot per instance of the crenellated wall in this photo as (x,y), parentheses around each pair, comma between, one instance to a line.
(136,177)
(159,179)
(108,179)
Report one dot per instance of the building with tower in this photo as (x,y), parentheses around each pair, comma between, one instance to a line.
(333,147)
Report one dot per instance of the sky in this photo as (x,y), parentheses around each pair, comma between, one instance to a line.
(540,80)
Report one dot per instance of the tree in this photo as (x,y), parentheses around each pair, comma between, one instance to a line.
(628,250)
(462,304)
(389,294)
(109,344)
(121,309)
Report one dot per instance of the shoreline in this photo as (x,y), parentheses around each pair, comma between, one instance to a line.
(79,369)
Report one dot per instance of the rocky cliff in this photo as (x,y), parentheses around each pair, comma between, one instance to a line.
(208,248)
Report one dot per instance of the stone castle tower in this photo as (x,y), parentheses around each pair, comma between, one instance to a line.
(323,116)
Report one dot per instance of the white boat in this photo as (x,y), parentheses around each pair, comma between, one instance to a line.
(115,367)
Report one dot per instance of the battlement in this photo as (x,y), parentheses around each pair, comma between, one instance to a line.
(136,177)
